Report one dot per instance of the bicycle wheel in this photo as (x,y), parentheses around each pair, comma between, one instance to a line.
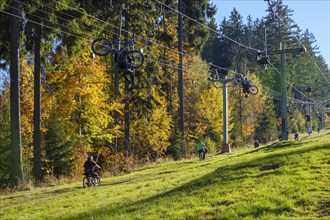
(96,181)
(101,46)
(133,59)
(253,90)
(200,155)
(238,81)
(86,182)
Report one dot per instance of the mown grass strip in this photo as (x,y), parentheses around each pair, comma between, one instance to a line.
(280,181)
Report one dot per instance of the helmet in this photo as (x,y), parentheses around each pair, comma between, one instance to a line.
(90,158)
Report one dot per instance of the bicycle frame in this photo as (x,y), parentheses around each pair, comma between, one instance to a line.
(128,59)
(126,44)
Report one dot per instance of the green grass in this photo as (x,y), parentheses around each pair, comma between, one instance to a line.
(286,180)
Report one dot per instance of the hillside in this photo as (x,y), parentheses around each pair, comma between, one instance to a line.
(279,181)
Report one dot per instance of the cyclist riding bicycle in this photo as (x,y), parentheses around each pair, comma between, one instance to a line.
(296,136)
(91,167)
(246,85)
(202,150)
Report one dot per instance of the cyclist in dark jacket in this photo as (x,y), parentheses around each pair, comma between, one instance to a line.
(246,85)
(296,136)
(256,143)
(91,166)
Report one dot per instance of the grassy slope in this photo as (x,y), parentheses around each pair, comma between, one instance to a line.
(279,181)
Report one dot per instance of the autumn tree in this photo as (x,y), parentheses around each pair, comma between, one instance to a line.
(246,113)
(151,132)
(81,98)
(4,134)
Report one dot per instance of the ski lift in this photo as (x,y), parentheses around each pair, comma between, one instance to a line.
(262,60)
(308,89)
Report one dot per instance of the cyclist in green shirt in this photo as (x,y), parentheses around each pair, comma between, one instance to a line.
(201,148)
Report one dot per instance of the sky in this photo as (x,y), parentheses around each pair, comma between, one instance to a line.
(307,14)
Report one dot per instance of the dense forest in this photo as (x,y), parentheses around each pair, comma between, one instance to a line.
(60,103)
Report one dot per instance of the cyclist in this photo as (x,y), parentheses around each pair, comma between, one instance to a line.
(256,143)
(201,148)
(121,63)
(296,136)
(246,85)
(91,166)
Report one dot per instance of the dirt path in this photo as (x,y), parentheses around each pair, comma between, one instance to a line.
(56,193)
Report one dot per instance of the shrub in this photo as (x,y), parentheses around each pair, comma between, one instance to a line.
(211,145)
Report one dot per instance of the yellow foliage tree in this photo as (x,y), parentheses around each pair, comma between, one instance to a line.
(246,112)
(27,95)
(78,90)
(150,133)
(211,108)
(327,120)
(82,97)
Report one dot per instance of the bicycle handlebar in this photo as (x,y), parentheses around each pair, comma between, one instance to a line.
(127,43)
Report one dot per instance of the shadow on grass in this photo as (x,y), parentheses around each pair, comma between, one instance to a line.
(38,197)
(276,146)
(284,145)
(120,182)
(223,176)
(155,174)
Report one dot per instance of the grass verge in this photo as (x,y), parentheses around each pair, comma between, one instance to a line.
(284,180)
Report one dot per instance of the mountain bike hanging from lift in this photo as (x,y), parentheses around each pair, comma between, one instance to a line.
(238,79)
(125,58)
(246,84)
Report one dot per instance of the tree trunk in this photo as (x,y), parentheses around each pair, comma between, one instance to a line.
(127,124)
(37,105)
(168,85)
(116,86)
(16,174)
(180,82)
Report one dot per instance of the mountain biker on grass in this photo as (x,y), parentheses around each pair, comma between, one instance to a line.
(90,167)
(202,150)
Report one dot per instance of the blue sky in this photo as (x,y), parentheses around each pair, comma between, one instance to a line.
(308,14)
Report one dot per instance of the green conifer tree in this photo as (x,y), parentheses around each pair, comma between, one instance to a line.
(266,129)
(58,148)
